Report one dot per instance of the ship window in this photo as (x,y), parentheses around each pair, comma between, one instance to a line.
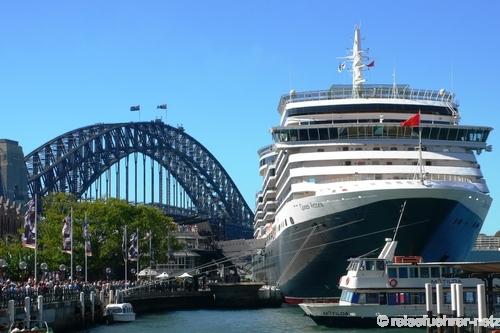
(323,134)
(345,148)
(418,298)
(403,272)
(435,272)
(380,265)
(382,298)
(413,272)
(424,272)
(303,135)
(469,297)
(369,265)
(394,148)
(333,133)
(428,163)
(292,221)
(447,298)
(376,148)
(392,272)
(313,134)
(347,163)
(372,298)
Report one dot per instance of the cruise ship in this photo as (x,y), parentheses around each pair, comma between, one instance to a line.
(347,161)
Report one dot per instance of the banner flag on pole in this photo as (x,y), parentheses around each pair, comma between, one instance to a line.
(86,239)
(66,234)
(28,238)
(133,249)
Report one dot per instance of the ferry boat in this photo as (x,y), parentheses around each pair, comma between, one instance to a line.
(119,312)
(342,163)
(32,326)
(394,287)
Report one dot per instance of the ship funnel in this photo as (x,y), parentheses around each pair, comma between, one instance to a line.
(388,250)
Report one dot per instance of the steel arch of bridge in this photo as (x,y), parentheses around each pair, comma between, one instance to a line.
(74,160)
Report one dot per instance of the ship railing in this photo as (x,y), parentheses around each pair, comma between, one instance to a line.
(401,177)
(369,91)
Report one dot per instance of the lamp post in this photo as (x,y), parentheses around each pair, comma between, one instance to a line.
(62,268)
(44,267)
(78,271)
(108,272)
(22,266)
(3,266)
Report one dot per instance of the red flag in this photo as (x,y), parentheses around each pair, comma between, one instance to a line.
(413,121)
(371,64)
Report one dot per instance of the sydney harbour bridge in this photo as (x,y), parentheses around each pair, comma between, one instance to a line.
(142,163)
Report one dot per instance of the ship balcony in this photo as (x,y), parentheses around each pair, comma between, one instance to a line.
(259,214)
(269,195)
(258,223)
(269,216)
(383,92)
(270,205)
(260,206)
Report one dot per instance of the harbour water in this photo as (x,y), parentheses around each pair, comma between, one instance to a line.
(284,319)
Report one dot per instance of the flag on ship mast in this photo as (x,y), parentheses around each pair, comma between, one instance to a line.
(413,121)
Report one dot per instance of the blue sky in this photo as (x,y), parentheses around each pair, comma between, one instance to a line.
(222,65)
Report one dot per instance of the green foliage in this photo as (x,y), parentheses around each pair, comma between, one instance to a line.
(107,220)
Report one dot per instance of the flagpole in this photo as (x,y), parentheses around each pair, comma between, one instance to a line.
(36,237)
(71,244)
(125,254)
(420,160)
(150,254)
(85,246)
(138,254)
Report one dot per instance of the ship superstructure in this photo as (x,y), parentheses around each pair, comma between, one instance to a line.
(341,166)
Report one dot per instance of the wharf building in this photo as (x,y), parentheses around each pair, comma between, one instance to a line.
(13,186)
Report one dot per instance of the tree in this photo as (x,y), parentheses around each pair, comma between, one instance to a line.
(107,220)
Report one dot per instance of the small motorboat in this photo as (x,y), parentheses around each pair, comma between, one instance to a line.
(36,326)
(119,312)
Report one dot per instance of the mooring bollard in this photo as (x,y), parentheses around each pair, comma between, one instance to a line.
(12,311)
(40,307)
(453,304)
(27,311)
(82,306)
(481,305)
(439,303)
(459,296)
(428,303)
(92,305)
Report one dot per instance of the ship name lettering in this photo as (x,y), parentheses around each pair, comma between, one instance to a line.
(304,207)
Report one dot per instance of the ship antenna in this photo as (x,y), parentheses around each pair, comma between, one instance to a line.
(357,65)
(399,221)
(394,87)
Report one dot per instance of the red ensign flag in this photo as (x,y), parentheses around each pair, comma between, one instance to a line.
(413,121)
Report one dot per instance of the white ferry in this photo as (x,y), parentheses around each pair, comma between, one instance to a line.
(392,287)
(120,312)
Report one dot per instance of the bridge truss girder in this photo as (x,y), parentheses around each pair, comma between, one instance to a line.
(75,160)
